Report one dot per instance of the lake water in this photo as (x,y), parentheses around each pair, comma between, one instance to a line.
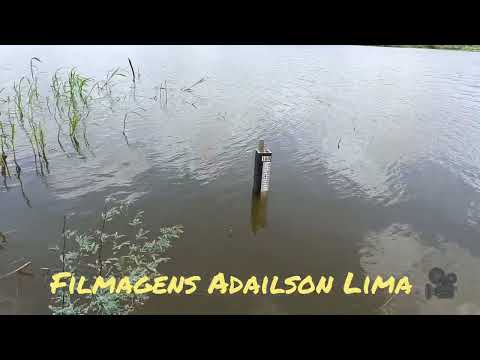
(375,170)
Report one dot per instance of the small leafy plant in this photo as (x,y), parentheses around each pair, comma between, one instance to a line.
(102,252)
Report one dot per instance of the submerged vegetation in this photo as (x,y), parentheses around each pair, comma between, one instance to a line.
(34,119)
(72,93)
(65,111)
(104,252)
(25,110)
(71,106)
(3,147)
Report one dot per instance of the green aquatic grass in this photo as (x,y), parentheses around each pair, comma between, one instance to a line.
(34,77)
(3,147)
(77,89)
(42,142)
(24,110)
(71,98)
(36,128)
(18,99)
(13,134)
(72,94)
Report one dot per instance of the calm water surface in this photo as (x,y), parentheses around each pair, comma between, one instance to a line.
(376,163)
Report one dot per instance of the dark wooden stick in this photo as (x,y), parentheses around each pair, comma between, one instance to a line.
(131,67)
(16,270)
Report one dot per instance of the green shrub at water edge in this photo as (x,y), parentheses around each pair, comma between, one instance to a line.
(102,252)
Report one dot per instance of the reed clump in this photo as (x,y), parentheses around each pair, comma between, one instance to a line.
(72,101)
(3,147)
(72,96)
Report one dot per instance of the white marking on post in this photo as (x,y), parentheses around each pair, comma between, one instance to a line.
(265,175)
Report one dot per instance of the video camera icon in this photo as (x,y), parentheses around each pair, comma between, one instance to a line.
(443,284)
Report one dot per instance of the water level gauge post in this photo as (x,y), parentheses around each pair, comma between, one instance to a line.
(262,168)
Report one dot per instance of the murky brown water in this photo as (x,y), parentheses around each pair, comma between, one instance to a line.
(376,162)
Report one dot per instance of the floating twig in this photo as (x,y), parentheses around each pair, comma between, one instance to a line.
(189,89)
(18,270)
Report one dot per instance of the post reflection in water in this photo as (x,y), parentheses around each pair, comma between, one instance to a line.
(258,218)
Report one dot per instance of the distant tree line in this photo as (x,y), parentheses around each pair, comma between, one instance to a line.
(444,47)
